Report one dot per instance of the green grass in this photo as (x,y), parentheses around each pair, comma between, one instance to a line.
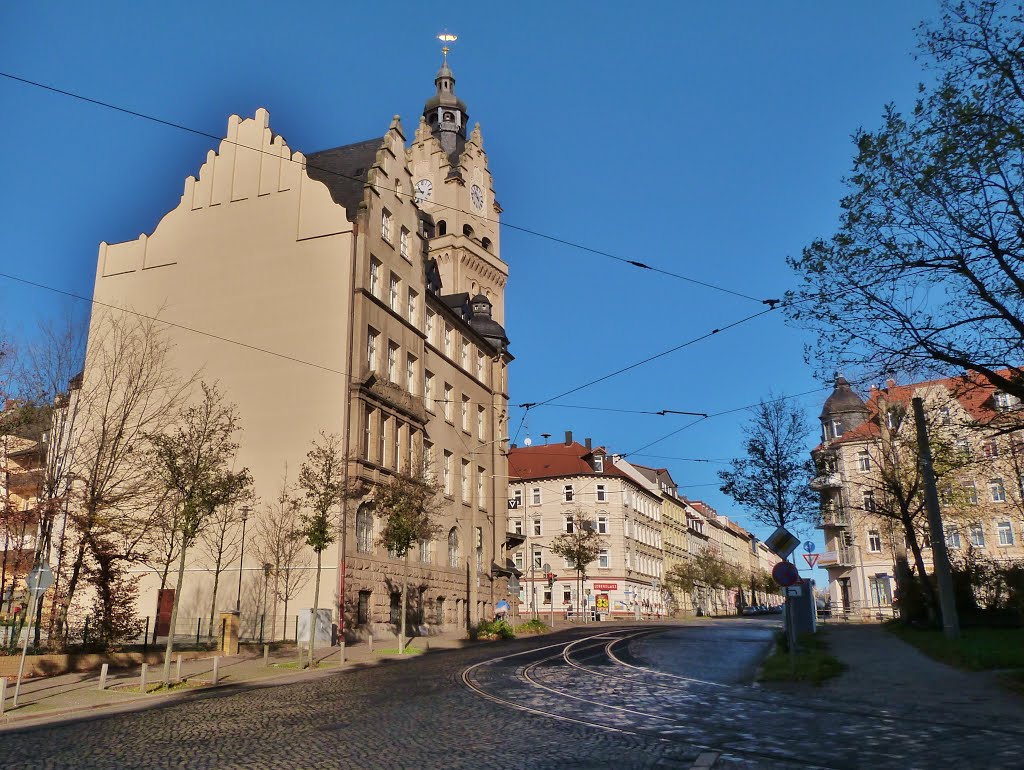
(813,662)
(977,649)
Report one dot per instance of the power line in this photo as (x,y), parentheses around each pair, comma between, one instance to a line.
(772,303)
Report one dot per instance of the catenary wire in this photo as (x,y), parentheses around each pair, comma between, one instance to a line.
(772,303)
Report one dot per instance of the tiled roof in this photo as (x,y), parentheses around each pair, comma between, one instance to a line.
(554,460)
(344,171)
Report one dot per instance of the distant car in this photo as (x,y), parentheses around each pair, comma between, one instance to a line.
(751,610)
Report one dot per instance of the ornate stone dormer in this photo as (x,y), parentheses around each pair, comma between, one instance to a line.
(445,113)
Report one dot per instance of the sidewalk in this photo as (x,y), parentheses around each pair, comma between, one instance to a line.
(46,699)
(887,673)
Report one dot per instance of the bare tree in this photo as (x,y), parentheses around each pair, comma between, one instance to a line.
(409,502)
(924,273)
(771,481)
(278,542)
(192,462)
(221,541)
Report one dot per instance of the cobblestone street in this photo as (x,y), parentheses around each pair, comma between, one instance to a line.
(582,698)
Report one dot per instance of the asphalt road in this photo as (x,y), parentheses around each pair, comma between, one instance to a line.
(587,698)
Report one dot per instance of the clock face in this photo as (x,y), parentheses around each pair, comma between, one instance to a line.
(476,195)
(424,189)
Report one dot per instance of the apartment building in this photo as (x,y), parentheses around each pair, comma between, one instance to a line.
(869,473)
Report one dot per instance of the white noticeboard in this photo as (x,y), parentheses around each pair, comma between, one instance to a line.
(323,625)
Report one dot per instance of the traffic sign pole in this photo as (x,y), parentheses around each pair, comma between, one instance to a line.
(38,581)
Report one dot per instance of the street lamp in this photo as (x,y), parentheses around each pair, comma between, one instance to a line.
(241,559)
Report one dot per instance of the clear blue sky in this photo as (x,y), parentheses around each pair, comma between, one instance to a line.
(708,139)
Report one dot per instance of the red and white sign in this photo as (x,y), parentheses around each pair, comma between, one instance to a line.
(606,586)
(811,559)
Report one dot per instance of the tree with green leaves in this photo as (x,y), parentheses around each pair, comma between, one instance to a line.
(408,503)
(322,481)
(193,461)
(580,546)
(924,274)
(772,481)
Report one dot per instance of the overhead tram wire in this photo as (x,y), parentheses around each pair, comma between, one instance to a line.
(772,303)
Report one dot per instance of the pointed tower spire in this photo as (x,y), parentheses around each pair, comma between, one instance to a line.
(444,112)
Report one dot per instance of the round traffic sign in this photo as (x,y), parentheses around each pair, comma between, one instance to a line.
(809,546)
(785,573)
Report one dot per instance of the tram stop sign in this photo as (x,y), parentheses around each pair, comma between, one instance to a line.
(785,573)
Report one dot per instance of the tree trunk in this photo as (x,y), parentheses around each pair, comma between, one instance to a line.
(316,604)
(926,585)
(169,650)
(401,625)
(76,572)
(213,600)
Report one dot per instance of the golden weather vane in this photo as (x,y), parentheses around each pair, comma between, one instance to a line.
(446,37)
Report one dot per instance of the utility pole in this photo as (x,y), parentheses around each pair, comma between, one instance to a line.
(940,557)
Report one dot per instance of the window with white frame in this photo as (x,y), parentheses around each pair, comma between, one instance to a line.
(465,413)
(385,438)
(538,558)
(481,496)
(428,390)
(413,305)
(952,537)
(517,524)
(602,524)
(465,354)
(428,326)
(446,472)
(481,426)
(448,340)
(963,447)
(874,541)
(601,494)
(448,402)
(538,528)
(569,524)
(425,551)
(375,268)
(977,536)
(535,496)
(996,491)
(371,348)
(403,243)
(453,548)
(410,373)
(945,416)
(392,362)
(464,481)
(1004,530)
(568,493)
(368,431)
(385,225)
(863,461)
(971,493)
(480,365)
(1002,401)
(518,559)
(604,559)
(393,290)
(599,465)
(868,500)
(990,448)
(364,529)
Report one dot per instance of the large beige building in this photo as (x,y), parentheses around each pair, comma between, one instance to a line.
(357,290)
(868,463)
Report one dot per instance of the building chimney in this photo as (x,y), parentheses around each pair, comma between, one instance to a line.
(568,437)
(587,442)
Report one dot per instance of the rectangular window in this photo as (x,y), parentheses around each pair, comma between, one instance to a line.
(952,537)
(566,592)
(375,268)
(1002,401)
(465,413)
(413,306)
(568,493)
(996,491)
(371,349)
(448,340)
(599,464)
(392,362)
(481,490)
(990,448)
(397,449)
(410,373)
(602,525)
(446,472)
(385,225)
(569,524)
(517,495)
(945,416)
(448,402)
(480,365)
(425,551)
(602,495)
(863,461)
(368,432)
(1005,531)
(481,423)
(403,243)
(881,595)
(428,327)
(977,536)
(537,528)
(547,596)
(874,541)
(428,460)
(971,493)
(382,444)
(517,526)
(603,559)
(465,482)
(465,354)
(538,558)
(393,285)
(428,390)
(518,560)
(535,496)
(868,500)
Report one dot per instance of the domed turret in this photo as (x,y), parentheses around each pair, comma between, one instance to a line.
(486,326)
(844,410)
(445,113)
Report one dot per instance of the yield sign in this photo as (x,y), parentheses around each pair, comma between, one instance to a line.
(811,559)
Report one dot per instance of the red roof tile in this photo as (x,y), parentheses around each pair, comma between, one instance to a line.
(554,460)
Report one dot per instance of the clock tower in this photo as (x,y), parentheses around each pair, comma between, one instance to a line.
(445,113)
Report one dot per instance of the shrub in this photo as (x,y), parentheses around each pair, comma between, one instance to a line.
(534,626)
(492,629)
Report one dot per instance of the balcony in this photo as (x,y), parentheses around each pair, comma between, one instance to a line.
(843,557)
(834,517)
(826,481)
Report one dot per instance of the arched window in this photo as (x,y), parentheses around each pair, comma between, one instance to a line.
(467,231)
(442,228)
(453,548)
(364,529)
(486,243)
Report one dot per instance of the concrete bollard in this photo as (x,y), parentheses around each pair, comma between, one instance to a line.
(177,670)
(370,640)
(216,669)
(103,676)
(341,653)
(142,678)
(3,693)
(266,655)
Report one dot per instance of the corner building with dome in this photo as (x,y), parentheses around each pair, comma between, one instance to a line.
(375,269)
